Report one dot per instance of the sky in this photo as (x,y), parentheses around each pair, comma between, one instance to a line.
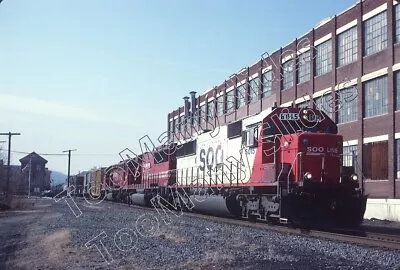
(98,75)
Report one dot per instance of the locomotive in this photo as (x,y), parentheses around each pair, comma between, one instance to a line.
(283,165)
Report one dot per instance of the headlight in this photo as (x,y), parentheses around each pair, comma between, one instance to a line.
(354,177)
(307,176)
(305,141)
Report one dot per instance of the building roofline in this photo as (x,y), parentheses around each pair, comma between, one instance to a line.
(318,25)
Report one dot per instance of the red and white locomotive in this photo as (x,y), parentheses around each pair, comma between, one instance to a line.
(281,165)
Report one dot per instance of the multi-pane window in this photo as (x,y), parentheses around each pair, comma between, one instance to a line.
(347,47)
(210,110)
(324,103)
(397,17)
(175,127)
(220,105)
(375,97)
(375,34)
(397,159)
(323,59)
(171,126)
(287,80)
(376,160)
(253,94)
(349,155)
(241,96)
(230,101)
(347,99)
(304,67)
(267,84)
(183,122)
(203,113)
(397,90)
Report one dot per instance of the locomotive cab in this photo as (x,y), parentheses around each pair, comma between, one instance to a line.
(308,156)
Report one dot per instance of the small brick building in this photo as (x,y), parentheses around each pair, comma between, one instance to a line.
(40,175)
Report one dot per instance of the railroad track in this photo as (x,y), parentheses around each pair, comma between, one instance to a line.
(359,237)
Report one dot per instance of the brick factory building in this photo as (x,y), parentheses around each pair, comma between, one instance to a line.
(351,59)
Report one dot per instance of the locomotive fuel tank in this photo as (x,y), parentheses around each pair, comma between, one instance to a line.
(210,204)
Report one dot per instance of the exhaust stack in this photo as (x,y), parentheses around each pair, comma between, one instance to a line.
(186,108)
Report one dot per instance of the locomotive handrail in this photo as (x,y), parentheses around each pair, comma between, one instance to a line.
(291,168)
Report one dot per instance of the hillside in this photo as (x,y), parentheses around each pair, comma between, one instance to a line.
(58,178)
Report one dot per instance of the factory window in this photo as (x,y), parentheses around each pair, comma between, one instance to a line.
(375,34)
(324,103)
(304,66)
(347,47)
(287,76)
(171,126)
(376,160)
(267,84)
(253,95)
(349,155)
(347,105)
(397,159)
(220,105)
(323,60)
(397,18)
(176,125)
(241,96)
(375,97)
(203,113)
(183,122)
(397,106)
(210,110)
(230,101)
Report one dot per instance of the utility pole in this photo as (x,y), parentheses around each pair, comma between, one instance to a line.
(9,134)
(29,179)
(69,162)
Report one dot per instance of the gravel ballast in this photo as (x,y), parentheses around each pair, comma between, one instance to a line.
(55,238)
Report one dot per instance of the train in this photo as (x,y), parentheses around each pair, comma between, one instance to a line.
(283,165)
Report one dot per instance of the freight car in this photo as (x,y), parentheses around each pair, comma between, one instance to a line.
(282,165)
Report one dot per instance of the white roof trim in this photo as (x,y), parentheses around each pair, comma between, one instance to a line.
(241,83)
(255,75)
(346,27)
(374,74)
(323,39)
(322,92)
(376,138)
(346,84)
(374,12)
(266,69)
(350,143)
